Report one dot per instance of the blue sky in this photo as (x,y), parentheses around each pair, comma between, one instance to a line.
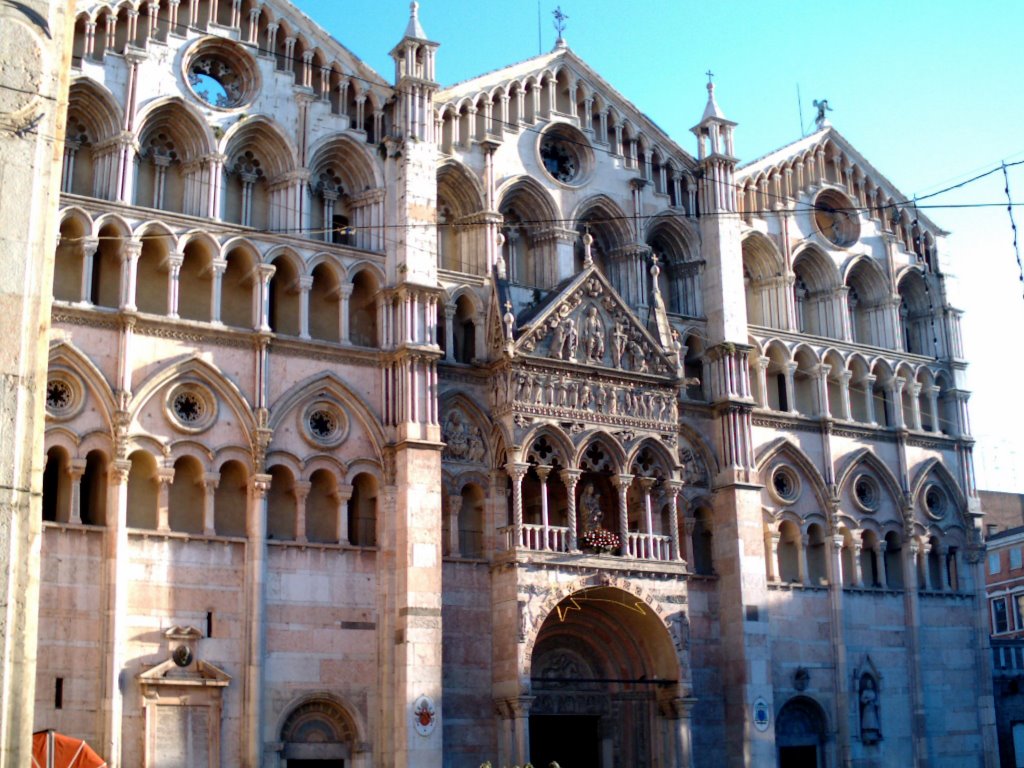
(929,92)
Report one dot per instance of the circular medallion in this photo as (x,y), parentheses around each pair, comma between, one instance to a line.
(23,66)
(866,493)
(324,424)
(784,485)
(64,396)
(762,715)
(935,501)
(191,408)
(221,74)
(565,154)
(836,218)
(424,716)
(182,656)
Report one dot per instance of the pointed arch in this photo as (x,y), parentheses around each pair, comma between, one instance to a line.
(530,198)
(182,121)
(934,466)
(460,188)
(784,447)
(348,160)
(274,148)
(606,441)
(866,458)
(330,386)
(65,355)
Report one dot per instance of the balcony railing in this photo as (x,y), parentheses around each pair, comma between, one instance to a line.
(555,538)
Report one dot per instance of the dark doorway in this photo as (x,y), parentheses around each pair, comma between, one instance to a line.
(570,740)
(798,757)
(315,764)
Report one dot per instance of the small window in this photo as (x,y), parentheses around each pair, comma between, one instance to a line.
(1018,606)
(1015,559)
(993,563)
(999,617)
(58,693)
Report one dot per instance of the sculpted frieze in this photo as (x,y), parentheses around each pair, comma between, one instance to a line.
(464,441)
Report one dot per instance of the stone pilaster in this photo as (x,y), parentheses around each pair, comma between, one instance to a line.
(35,46)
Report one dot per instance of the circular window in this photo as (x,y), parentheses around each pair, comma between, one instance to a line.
(221,74)
(836,218)
(866,493)
(63,397)
(935,501)
(785,486)
(191,408)
(565,154)
(324,424)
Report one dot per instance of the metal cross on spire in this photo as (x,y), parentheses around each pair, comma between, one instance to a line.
(710,75)
(560,19)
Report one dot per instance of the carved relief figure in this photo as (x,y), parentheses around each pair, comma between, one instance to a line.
(476,446)
(590,508)
(456,436)
(637,359)
(593,336)
(870,724)
(619,339)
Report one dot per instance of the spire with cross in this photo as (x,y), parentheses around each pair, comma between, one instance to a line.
(559,23)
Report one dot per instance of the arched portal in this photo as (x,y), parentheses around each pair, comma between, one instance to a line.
(605,679)
(800,732)
(318,733)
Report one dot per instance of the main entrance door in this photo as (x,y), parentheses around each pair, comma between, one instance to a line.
(572,741)
(800,734)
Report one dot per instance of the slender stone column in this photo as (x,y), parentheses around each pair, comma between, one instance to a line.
(131,250)
(520,708)
(345,296)
(543,472)
(517,470)
(115,565)
(683,732)
(791,387)
(762,381)
(570,477)
(210,482)
(933,407)
(915,406)
(174,262)
(75,471)
(301,493)
(449,333)
(305,284)
(869,397)
(879,552)
(255,576)
(774,572)
(858,577)
(89,245)
(341,498)
(217,269)
(262,297)
(454,507)
(801,562)
(822,372)
(647,545)
(844,391)
(673,487)
(622,483)
(912,618)
(164,477)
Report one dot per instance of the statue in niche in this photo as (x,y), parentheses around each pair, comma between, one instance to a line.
(590,506)
(522,386)
(870,723)
(619,340)
(637,359)
(585,395)
(593,336)
(456,435)
(476,446)
(564,339)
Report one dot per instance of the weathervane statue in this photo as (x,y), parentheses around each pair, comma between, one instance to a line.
(559,22)
(822,106)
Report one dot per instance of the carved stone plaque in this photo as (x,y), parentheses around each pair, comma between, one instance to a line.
(182,738)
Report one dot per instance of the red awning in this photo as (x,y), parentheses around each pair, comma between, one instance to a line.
(55,750)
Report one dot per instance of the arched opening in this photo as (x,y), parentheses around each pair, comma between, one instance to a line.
(860,391)
(916,322)
(817,556)
(322,508)
(464,331)
(362,511)
(805,383)
(153,274)
(777,397)
(866,302)
(701,542)
(69,262)
(105,281)
(143,487)
(236,302)
(325,304)
(601,664)
(800,733)
(195,283)
(284,298)
(93,497)
(185,509)
(320,733)
(362,310)
(231,500)
(693,368)
(57,486)
(471,521)
(789,552)
(847,559)
(281,504)
(816,280)
(893,561)
(870,573)
(765,287)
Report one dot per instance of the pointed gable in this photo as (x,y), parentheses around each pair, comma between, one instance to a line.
(586,322)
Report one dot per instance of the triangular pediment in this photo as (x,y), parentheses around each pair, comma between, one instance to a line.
(552,63)
(196,673)
(834,142)
(587,323)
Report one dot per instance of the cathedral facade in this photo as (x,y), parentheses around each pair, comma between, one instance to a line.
(394,424)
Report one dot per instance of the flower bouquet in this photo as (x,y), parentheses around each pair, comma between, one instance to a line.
(600,540)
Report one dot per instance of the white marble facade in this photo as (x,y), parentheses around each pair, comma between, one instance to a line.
(418,426)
